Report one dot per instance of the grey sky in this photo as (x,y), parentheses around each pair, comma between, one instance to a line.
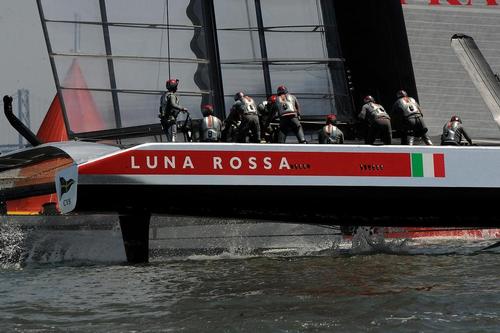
(24,62)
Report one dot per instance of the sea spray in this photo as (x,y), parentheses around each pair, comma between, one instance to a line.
(12,240)
(372,240)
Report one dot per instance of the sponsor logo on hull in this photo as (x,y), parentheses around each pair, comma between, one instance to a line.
(66,187)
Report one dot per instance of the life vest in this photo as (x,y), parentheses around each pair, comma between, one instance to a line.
(450,132)
(248,106)
(331,133)
(376,111)
(286,105)
(211,128)
(166,107)
(409,107)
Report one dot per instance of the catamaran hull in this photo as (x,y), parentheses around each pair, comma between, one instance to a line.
(325,205)
(443,186)
(336,185)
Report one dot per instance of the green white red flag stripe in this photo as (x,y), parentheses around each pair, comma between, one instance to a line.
(427,165)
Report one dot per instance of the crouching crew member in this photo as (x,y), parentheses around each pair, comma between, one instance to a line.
(231,125)
(330,134)
(247,109)
(264,112)
(379,122)
(453,132)
(410,113)
(288,110)
(266,116)
(170,109)
(211,126)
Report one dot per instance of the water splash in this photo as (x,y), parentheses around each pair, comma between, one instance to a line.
(77,246)
(40,240)
(371,240)
(12,240)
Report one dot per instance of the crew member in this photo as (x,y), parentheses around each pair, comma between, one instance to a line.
(330,134)
(412,119)
(211,126)
(262,112)
(231,125)
(453,132)
(170,109)
(378,121)
(266,114)
(288,110)
(247,109)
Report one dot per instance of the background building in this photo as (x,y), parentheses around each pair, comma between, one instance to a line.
(444,87)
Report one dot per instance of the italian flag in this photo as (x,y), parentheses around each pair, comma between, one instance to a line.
(427,165)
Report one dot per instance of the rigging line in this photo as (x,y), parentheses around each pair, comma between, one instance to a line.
(284,28)
(129,57)
(131,25)
(161,47)
(168,40)
(139,92)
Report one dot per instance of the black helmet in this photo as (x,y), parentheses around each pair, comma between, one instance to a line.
(368,99)
(172,84)
(207,110)
(456,118)
(239,95)
(402,94)
(282,90)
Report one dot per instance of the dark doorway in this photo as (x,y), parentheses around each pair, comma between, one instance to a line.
(375,45)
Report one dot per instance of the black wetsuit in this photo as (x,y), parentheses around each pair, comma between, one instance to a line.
(379,123)
(288,110)
(250,126)
(169,110)
(231,124)
(413,125)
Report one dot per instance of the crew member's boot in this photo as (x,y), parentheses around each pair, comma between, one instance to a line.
(427,140)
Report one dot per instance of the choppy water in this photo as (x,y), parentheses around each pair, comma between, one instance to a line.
(378,293)
(330,292)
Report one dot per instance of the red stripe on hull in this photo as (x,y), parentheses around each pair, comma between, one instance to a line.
(439,170)
(142,162)
(437,233)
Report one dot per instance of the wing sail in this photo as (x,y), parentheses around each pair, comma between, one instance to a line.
(485,80)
